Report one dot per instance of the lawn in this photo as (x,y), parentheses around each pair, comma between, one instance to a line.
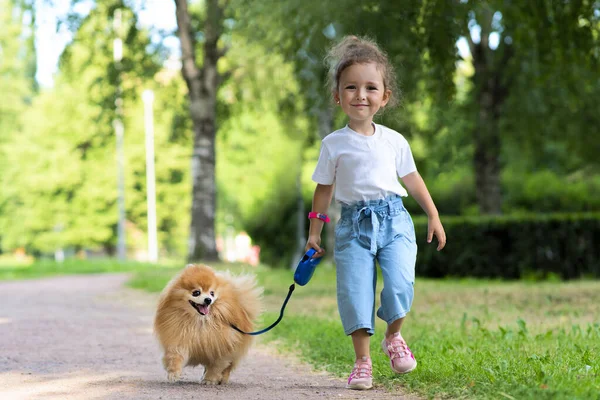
(43,268)
(472,338)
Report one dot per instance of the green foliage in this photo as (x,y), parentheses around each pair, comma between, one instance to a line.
(553,77)
(69,136)
(526,191)
(513,247)
(62,172)
(58,180)
(16,85)
(547,80)
(45,206)
(545,191)
(453,192)
(259,149)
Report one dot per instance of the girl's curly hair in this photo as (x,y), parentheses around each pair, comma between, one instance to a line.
(360,50)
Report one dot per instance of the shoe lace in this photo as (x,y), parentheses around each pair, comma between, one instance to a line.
(361,370)
(397,349)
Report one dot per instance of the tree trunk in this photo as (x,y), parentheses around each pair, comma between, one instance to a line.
(487,157)
(202,86)
(491,93)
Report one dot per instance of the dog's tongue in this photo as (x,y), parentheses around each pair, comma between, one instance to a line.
(203,309)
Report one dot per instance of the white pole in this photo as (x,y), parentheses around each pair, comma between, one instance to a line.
(148,98)
(119,132)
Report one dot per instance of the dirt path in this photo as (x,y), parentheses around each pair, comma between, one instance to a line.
(88,337)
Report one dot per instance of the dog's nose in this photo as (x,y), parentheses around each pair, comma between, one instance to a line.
(207,301)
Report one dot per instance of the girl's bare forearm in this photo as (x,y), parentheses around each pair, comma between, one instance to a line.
(321,201)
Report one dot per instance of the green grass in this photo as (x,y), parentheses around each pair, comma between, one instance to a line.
(472,338)
(45,268)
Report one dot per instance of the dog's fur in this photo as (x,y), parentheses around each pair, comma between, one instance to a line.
(188,337)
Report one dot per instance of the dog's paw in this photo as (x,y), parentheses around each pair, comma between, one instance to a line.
(173,376)
(210,382)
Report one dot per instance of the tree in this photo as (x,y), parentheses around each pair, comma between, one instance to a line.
(202,82)
(17,85)
(532,62)
(67,134)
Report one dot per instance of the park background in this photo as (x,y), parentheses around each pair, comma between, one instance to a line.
(499,101)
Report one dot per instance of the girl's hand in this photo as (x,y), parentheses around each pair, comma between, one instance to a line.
(434,227)
(314,242)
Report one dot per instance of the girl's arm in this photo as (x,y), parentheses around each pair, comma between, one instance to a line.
(321,201)
(417,189)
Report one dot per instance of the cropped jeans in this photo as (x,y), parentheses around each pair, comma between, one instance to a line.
(382,231)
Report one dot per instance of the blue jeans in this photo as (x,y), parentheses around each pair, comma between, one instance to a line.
(377,230)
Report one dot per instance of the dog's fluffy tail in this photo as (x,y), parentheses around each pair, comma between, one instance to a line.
(248,291)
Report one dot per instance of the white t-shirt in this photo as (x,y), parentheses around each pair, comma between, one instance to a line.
(364,167)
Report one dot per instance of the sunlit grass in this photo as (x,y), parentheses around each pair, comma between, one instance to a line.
(44,268)
(472,338)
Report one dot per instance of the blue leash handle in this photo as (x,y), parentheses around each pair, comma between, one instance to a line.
(306,267)
(304,271)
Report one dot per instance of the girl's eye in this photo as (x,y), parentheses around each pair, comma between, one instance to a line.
(196,293)
(351,87)
(212,293)
(372,88)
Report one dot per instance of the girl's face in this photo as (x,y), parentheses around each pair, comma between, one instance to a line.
(361,92)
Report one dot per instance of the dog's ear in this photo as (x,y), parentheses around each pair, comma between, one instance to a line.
(190,265)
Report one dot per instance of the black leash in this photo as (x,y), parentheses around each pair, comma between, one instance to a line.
(274,323)
(303,273)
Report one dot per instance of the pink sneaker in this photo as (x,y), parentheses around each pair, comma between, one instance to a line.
(361,377)
(401,358)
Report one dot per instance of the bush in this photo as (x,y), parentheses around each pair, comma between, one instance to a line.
(545,191)
(513,247)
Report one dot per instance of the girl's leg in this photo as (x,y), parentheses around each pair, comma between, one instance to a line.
(397,261)
(361,377)
(361,340)
(394,327)
(356,280)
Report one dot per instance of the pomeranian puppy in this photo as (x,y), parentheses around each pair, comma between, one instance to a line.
(193,321)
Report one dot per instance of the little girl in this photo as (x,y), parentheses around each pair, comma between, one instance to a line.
(364,161)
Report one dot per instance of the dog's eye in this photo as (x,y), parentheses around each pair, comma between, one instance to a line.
(196,293)
(212,293)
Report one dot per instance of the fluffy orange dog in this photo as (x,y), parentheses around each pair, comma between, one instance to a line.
(194,317)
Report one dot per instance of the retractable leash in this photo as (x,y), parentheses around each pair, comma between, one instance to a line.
(304,271)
